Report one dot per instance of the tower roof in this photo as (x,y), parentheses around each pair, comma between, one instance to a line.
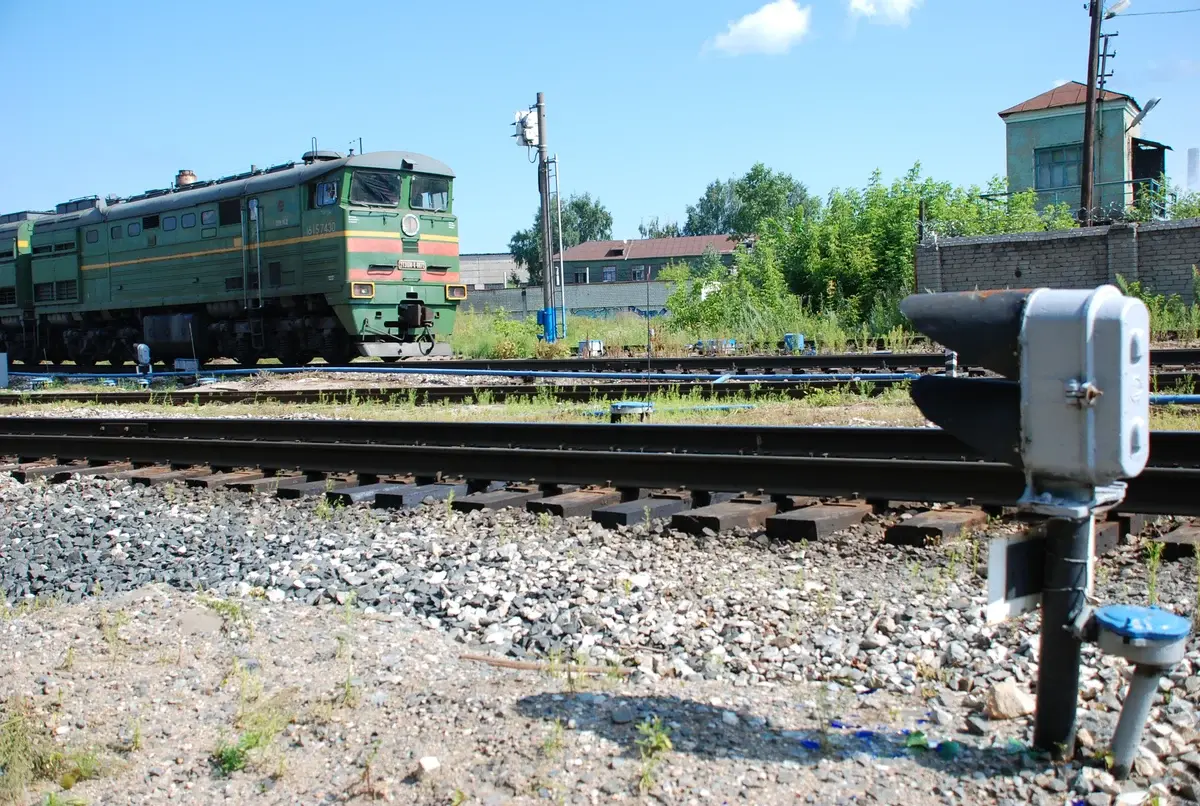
(1070,94)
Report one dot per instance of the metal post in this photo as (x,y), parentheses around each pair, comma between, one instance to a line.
(1096,9)
(1068,557)
(1135,712)
(547,241)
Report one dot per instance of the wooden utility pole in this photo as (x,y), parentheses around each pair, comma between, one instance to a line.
(1087,169)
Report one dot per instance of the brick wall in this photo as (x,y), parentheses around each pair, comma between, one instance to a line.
(597,299)
(1160,254)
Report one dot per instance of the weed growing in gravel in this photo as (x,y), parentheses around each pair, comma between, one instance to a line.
(233,614)
(458,798)
(136,741)
(110,625)
(23,751)
(27,755)
(544,521)
(554,662)
(59,799)
(231,757)
(83,765)
(27,606)
(365,784)
(68,660)
(260,725)
(1154,550)
(653,743)
(1196,612)
(955,557)
(349,613)
(553,744)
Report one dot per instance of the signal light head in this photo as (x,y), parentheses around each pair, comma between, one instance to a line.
(1073,405)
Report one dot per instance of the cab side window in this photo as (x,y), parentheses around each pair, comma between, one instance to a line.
(324,194)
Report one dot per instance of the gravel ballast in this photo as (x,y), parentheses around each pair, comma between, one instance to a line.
(833,672)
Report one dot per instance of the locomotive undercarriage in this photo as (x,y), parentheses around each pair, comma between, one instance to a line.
(293,330)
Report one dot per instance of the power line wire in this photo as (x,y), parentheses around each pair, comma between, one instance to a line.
(1157,13)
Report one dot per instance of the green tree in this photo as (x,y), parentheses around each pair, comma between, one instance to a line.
(763,194)
(583,219)
(855,255)
(740,206)
(652,229)
(714,213)
(1186,205)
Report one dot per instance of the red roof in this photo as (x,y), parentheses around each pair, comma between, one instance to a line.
(687,246)
(1070,94)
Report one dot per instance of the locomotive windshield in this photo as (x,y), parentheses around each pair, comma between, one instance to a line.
(429,193)
(375,187)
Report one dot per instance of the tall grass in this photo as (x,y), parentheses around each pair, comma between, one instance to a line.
(1170,316)
(496,334)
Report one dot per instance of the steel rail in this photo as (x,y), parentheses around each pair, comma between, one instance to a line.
(425,395)
(1167,448)
(1173,356)
(1155,491)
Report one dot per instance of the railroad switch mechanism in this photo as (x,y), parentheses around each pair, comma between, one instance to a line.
(1072,410)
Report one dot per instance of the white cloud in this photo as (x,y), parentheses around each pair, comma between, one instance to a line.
(773,29)
(885,12)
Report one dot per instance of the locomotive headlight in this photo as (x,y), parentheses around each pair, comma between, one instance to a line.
(456,292)
(410,225)
(362,290)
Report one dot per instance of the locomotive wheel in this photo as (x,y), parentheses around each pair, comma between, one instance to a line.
(288,354)
(391,359)
(244,353)
(56,354)
(336,348)
(117,356)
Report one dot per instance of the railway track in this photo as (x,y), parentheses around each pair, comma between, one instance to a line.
(737,364)
(425,395)
(615,463)
(495,393)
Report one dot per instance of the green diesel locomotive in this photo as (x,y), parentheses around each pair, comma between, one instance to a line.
(335,256)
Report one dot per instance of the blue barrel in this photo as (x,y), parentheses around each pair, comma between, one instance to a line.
(793,342)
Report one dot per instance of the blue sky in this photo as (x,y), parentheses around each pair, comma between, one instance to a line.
(648,101)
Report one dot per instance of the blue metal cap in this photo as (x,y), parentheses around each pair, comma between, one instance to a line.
(631,405)
(1143,623)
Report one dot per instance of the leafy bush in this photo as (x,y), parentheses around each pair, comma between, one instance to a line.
(1169,315)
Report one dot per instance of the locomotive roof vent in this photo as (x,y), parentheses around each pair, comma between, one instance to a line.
(320,156)
(184,178)
(24,215)
(75,205)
